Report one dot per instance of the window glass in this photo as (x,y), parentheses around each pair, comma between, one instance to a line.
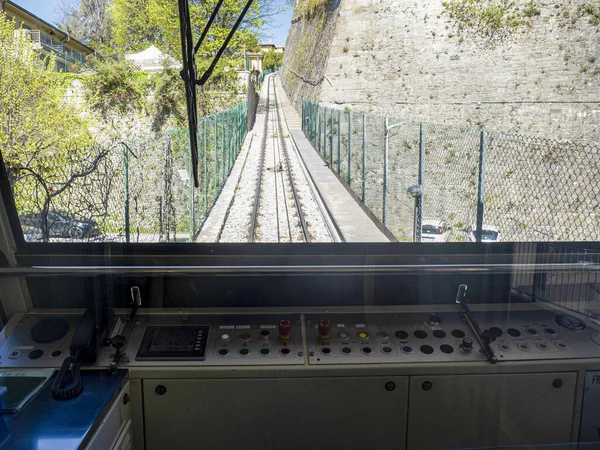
(319,123)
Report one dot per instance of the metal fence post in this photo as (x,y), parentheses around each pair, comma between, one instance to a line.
(481,186)
(126,181)
(349,145)
(204,161)
(386,143)
(419,222)
(339,133)
(319,126)
(215,157)
(192,200)
(364,156)
(331,142)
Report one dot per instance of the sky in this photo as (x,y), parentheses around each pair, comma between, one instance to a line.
(276,31)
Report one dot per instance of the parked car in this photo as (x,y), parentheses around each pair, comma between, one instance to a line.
(61,224)
(434,231)
(489,233)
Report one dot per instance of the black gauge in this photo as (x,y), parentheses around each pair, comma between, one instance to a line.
(570,322)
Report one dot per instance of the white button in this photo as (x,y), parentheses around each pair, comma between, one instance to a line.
(225,337)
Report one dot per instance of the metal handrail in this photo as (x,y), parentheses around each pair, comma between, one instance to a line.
(44,271)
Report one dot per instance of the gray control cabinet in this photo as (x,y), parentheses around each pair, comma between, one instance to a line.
(449,412)
(261,414)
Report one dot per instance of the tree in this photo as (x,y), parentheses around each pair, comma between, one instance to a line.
(137,24)
(87,20)
(272,60)
(46,142)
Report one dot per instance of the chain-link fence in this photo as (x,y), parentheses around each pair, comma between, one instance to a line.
(466,184)
(138,190)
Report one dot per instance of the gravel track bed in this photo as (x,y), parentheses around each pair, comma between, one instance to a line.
(237,225)
(277,219)
(313,215)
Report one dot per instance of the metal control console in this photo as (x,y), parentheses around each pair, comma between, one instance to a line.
(331,338)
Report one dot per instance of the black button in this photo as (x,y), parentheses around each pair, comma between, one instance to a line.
(551,331)
(513,332)
(390,386)
(401,334)
(326,350)
(56,353)
(557,383)
(459,334)
(420,334)
(495,331)
(531,331)
(427,385)
(439,334)
(446,348)
(427,349)
(366,350)
(160,390)
(285,351)
(35,354)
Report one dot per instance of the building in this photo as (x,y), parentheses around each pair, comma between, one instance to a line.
(48,39)
(254,61)
(271,47)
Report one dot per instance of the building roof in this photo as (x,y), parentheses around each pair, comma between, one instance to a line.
(47,24)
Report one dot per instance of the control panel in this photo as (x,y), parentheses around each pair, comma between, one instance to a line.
(440,337)
(390,338)
(209,339)
(526,335)
(330,338)
(39,341)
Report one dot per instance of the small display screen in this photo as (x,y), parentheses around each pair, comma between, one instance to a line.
(179,342)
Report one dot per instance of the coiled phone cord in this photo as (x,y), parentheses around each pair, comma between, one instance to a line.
(68,385)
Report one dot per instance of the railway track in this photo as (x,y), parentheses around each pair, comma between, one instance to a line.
(284,205)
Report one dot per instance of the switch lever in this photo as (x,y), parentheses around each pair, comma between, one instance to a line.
(484,342)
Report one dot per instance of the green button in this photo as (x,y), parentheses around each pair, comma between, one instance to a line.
(386,350)
(346,350)
(264,351)
(244,351)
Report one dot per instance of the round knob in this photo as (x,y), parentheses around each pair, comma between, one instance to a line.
(466,346)
(434,320)
(285,329)
(324,329)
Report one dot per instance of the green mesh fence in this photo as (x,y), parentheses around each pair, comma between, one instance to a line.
(139,191)
(525,188)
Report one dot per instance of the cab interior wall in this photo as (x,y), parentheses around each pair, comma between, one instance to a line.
(266,291)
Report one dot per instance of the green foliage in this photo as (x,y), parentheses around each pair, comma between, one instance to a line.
(312,8)
(37,124)
(272,60)
(168,105)
(494,20)
(115,87)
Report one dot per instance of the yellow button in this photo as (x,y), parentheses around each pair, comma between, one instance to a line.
(363,335)
(245,337)
(382,335)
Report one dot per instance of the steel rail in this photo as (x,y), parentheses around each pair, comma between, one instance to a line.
(260,170)
(303,224)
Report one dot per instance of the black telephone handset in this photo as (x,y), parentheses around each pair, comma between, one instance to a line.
(84,349)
